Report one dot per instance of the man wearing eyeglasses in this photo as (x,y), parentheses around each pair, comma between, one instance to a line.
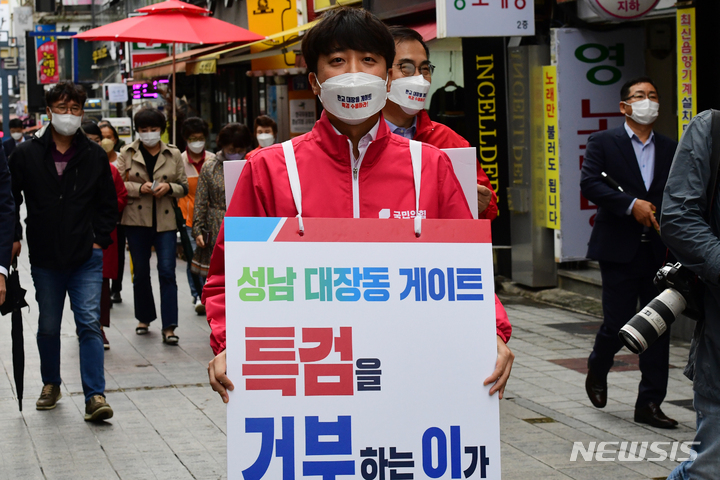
(409,82)
(625,240)
(65,180)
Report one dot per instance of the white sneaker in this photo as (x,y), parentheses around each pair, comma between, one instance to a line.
(199,307)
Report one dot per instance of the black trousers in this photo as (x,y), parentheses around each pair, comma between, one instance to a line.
(623,284)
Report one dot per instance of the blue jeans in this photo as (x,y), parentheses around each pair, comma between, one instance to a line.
(83,285)
(707,464)
(193,290)
(141,240)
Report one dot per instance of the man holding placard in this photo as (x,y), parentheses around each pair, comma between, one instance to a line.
(405,114)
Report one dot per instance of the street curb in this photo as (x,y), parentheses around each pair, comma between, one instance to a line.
(553,296)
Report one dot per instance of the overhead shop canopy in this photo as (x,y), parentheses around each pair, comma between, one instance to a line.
(163,67)
(274,45)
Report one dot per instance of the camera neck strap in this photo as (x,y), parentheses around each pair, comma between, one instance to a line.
(714,162)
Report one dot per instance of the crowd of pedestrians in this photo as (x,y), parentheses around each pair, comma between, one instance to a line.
(87,199)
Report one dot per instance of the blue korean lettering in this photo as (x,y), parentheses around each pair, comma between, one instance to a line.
(417,280)
(436,284)
(284,447)
(341,429)
(351,293)
(325,282)
(437,469)
(427,453)
(469,279)
(376,284)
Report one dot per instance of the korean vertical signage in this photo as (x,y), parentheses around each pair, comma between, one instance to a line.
(686,68)
(486,119)
(591,68)
(552,165)
(486,18)
(351,358)
(47,59)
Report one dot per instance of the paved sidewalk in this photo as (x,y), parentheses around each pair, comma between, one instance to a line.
(168,424)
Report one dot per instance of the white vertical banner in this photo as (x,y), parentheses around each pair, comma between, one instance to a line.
(591,69)
(358,350)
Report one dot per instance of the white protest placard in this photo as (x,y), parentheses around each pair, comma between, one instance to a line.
(232,170)
(464,163)
(485,18)
(359,344)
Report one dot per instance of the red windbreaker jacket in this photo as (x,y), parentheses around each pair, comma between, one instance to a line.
(331,189)
(442,136)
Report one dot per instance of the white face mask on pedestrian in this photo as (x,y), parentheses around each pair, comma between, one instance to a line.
(149,139)
(353,97)
(644,112)
(196,147)
(16,136)
(265,139)
(410,93)
(65,124)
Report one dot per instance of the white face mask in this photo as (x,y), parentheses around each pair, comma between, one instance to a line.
(644,112)
(265,139)
(149,139)
(65,124)
(196,147)
(409,93)
(353,97)
(16,136)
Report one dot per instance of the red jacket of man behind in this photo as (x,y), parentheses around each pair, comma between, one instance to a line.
(442,136)
(384,183)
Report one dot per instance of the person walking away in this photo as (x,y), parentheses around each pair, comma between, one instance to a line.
(196,132)
(626,241)
(154,177)
(65,180)
(234,140)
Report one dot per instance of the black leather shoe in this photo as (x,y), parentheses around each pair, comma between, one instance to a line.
(653,416)
(115,297)
(596,390)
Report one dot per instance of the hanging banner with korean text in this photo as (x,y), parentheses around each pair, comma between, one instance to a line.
(550,132)
(485,18)
(591,68)
(686,68)
(358,350)
(47,60)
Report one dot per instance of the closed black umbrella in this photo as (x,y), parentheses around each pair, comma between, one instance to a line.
(14,301)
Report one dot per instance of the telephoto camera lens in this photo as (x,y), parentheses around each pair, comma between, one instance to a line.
(652,321)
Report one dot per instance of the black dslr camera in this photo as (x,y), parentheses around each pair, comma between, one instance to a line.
(681,291)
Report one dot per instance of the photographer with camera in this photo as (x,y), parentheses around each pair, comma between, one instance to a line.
(624,173)
(690,223)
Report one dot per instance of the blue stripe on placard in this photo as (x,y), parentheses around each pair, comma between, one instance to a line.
(250,229)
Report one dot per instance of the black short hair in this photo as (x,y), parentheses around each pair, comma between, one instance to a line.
(194,125)
(347,28)
(403,34)
(235,134)
(112,129)
(91,128)
(149,117)
(625,90)
(15,123)
(66,91)
(264,121)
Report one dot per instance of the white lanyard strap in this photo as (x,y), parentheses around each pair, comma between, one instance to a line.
(294,178)
(416,157)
